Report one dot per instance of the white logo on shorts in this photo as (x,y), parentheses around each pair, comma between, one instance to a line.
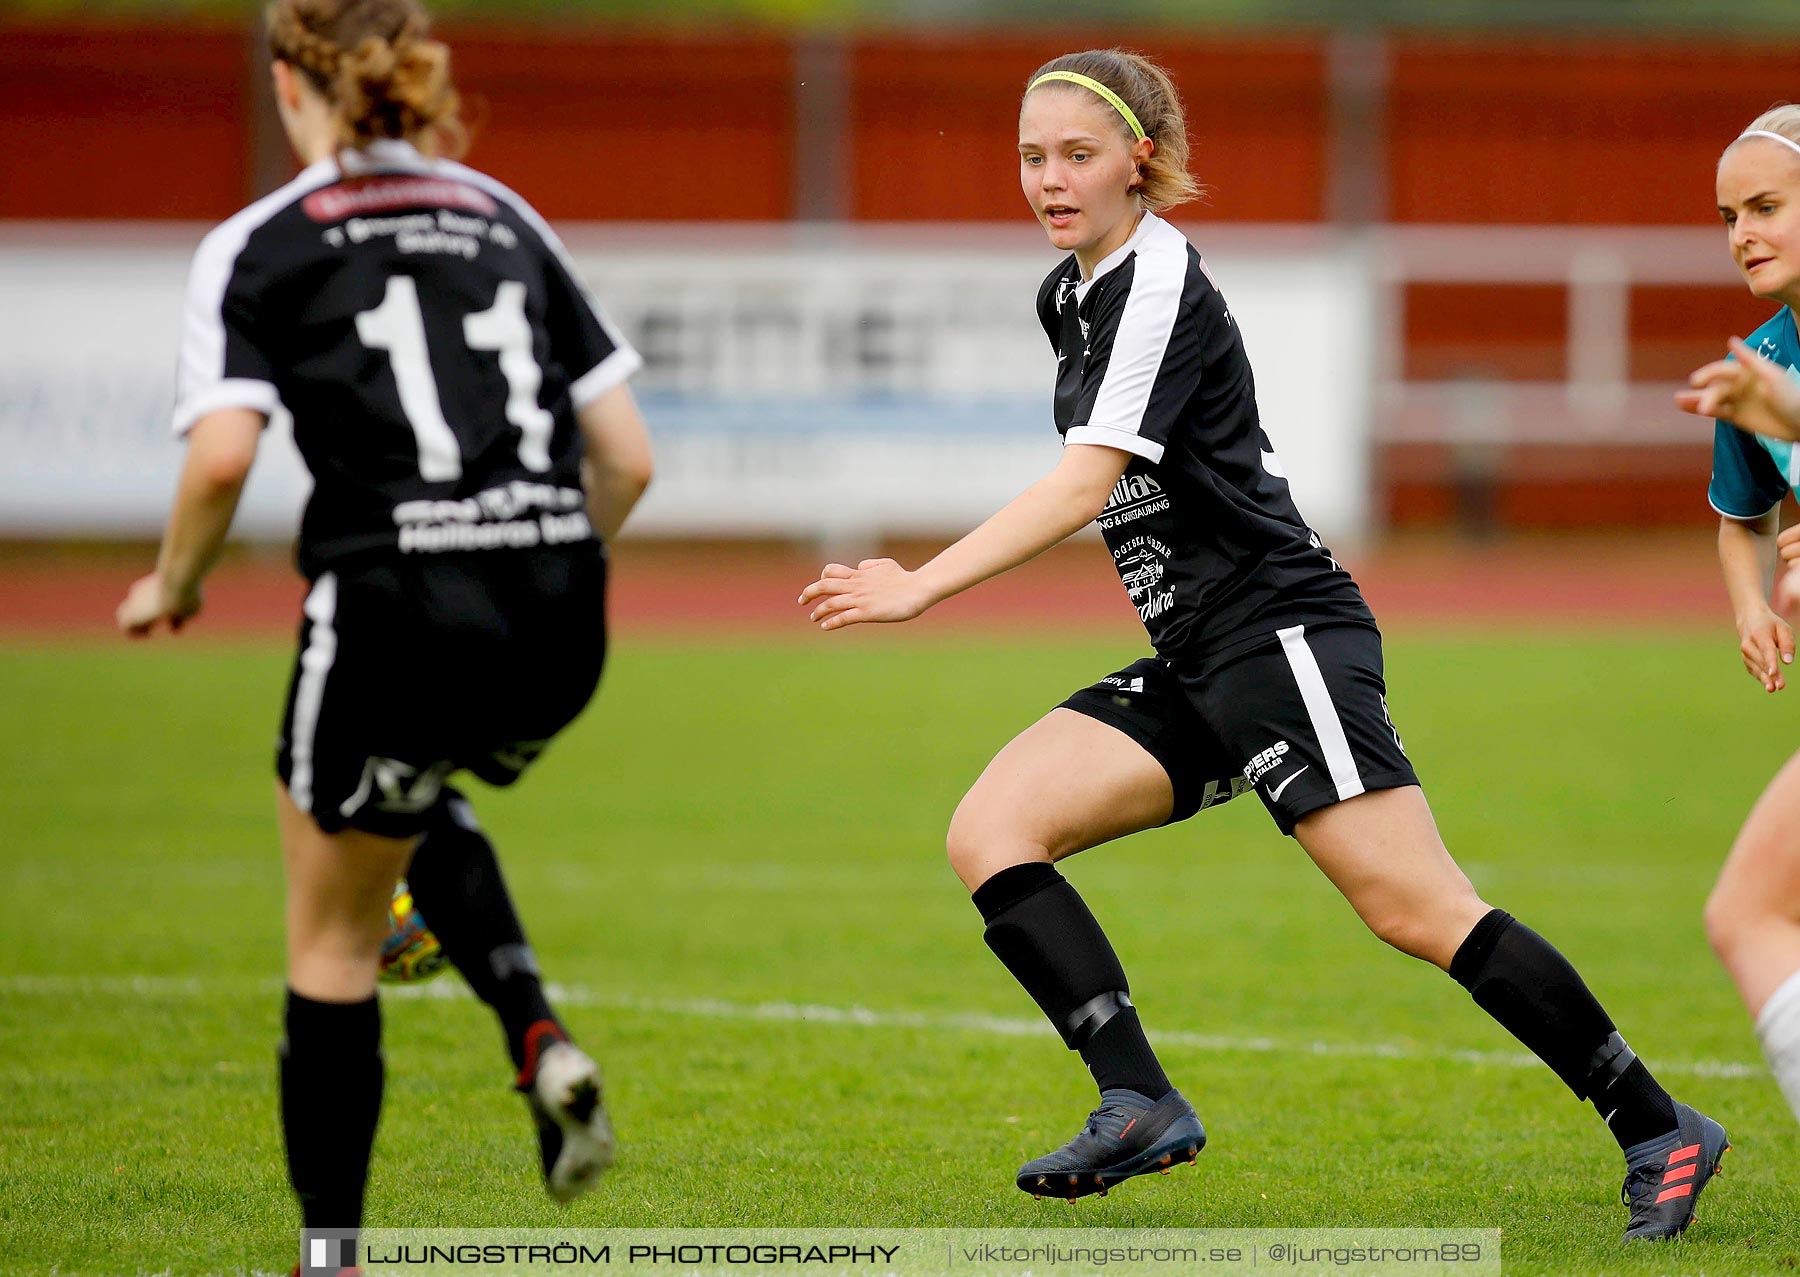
(1275,793)
(1265,762)
(401,786)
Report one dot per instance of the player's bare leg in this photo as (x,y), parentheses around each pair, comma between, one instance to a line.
(1753,921)
(1063,785)
(339,886)
(1382,850)
(338,890)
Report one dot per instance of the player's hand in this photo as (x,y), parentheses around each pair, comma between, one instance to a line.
(1766,642)
(149,603)
(1786,600)
(1749,391)
(875,590)
(1787,546)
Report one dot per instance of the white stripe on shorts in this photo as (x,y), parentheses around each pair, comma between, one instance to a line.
(309,692)
(1325,722)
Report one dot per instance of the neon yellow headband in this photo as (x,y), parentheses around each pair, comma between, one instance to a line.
(1088,82)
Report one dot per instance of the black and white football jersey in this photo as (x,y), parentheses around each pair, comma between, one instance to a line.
(1202,528)
(425,329)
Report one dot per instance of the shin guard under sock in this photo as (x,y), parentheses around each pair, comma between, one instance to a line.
(331,1074)
(456,884)
(1039,927)
(1520,979)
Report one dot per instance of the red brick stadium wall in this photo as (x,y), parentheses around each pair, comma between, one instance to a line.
(159,122)
(934,136)
(123,121)
(1607,131)
(635,128)
(117,120)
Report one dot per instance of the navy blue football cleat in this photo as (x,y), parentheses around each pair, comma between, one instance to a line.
(1127,1135)
(1664,1176)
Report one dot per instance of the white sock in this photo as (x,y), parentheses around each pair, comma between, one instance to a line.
(1778,1027)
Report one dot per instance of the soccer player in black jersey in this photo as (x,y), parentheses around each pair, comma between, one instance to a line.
(461,404)
(1268,672)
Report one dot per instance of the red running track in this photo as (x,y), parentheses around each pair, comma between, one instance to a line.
(1660,578)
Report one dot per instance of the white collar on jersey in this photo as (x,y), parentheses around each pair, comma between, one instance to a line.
(387,155)
(1148,223)
(381,154)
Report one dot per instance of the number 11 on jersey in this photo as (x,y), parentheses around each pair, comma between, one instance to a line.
(397,327)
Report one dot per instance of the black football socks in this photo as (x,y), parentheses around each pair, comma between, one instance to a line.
(456,884)
(1042,930)
(1519,978)
(331,1075)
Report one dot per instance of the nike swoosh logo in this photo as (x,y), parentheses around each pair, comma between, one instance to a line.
(1275,793)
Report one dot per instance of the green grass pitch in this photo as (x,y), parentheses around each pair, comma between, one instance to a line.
(741,844)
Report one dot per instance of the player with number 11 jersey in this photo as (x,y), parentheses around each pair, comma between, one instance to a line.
(424,327)
(461,404)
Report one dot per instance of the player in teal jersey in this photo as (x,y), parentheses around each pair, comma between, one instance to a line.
(1753,915)
(1759,392)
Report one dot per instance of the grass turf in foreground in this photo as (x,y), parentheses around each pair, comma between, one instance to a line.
(730,827)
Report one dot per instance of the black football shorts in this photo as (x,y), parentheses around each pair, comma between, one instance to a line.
(413,669)
(1301,718)
(1146,702)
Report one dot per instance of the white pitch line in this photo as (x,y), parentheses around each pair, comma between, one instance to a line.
(848,1017)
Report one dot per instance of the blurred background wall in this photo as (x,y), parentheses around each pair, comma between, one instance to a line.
(1472,247)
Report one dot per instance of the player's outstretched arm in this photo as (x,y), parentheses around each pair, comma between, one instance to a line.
(221,450)
(1061,503)
(1750,392)
(1765,640)
(617,464)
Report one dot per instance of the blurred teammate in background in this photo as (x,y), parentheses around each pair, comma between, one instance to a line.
(1268,671)
(462,407)
(1753,915)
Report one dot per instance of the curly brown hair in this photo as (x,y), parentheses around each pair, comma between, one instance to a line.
(1164,180)
(377,67)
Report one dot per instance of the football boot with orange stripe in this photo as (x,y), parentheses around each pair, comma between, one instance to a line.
(1664,1176)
